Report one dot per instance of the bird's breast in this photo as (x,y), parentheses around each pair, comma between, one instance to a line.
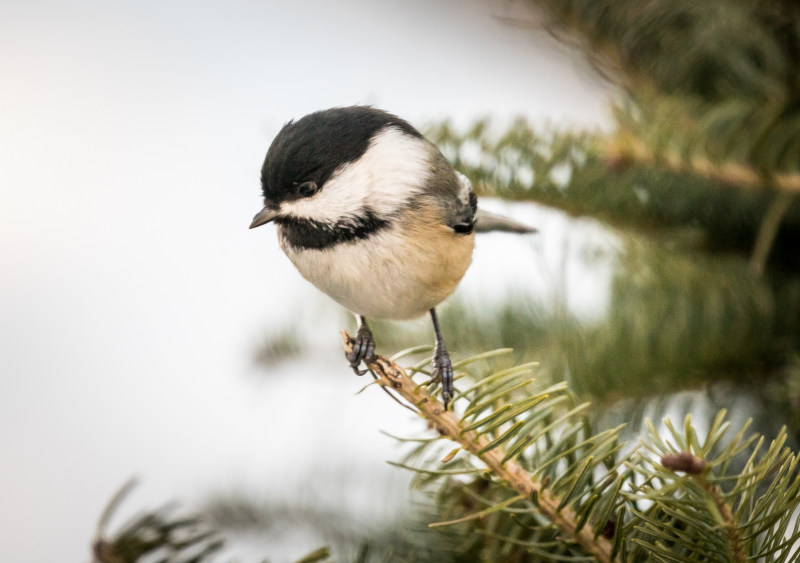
(399,272)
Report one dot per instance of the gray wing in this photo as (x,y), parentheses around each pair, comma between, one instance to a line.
(487,222)
(469,218)
(466,208)
(461,212)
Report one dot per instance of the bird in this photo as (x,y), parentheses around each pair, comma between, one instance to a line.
(372,213)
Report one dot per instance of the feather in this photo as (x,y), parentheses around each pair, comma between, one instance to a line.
(487,222)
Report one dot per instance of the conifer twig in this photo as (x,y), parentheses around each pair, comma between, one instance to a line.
(695,468)
(731,530)
(445,422)
(626,148)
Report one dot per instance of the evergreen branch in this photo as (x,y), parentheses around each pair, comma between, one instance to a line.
(693,513)
(566,492)
(391,376)
(627,149)
(627,146)
(157,534)
(732,530)
(695,467)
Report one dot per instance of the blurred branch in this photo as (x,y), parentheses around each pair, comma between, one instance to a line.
(154,534)
(163,537)
(714,49)
(624,149)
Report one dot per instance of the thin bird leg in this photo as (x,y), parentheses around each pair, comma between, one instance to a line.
(363,348)
(442,366)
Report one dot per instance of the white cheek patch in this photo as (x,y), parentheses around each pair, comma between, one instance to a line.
(392,170)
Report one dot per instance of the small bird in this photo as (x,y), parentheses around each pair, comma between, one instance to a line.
(372,213)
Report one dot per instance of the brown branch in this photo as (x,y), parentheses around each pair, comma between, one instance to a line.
(695,467)
(731,530)
(626,148)
(390,375)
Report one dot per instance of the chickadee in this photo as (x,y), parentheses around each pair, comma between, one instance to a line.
(372,213)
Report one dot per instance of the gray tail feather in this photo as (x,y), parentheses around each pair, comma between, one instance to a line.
(487,222)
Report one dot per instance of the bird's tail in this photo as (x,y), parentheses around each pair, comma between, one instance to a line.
(487,222)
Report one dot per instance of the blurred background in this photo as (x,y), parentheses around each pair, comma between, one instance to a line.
(144,331)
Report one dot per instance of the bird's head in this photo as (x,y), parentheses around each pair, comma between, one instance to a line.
(340,164)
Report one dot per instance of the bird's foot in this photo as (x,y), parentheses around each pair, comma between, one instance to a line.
(443,372)
(363,349)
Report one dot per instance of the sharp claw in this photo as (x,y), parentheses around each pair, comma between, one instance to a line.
(355,355)
(363,349)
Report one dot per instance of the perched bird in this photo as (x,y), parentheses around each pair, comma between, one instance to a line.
(372,213)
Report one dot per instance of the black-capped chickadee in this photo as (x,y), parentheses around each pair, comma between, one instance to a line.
(372,213)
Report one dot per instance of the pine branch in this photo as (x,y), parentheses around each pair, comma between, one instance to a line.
(629,149)
(544,494)
(732,530)
(694,467)
(164,536)
(390,376)
(753,505)
(158,534)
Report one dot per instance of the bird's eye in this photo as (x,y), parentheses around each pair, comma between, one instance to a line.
(307,189)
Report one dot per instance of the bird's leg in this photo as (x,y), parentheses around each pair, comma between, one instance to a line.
(442,366)
(363,348)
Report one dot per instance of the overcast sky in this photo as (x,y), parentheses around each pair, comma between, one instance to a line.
(131,292)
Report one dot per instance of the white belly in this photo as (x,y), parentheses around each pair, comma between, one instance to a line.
(394,274)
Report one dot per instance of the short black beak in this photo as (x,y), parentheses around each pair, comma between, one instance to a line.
(264,216)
